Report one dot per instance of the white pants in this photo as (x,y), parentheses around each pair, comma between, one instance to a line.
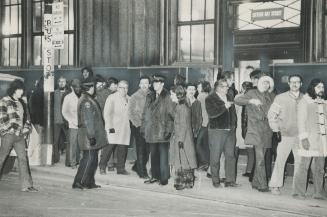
(284,148)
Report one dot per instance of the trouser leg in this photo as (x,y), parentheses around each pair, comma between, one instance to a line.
(7,142)
(216,141)
(283,150)
(301,175)
(317,168)
(56,140)
(259,178)
(250,160)
(230,160)
(105,154)
(121,157)
(268,162)
(164,165)
(73,149)
(24,170)
(155,160)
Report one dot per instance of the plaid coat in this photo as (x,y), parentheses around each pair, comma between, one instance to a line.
(10,121)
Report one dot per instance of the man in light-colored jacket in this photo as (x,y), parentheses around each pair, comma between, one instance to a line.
(69,112)
(282,117)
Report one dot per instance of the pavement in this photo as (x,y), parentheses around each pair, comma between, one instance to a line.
(129,196)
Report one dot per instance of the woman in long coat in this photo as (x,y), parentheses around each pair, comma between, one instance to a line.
(182,151)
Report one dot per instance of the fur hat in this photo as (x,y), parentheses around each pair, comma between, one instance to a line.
(266,79)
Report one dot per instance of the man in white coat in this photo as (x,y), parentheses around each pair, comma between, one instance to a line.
(115,115)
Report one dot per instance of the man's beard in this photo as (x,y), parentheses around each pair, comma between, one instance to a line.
(321,94)
(61,88)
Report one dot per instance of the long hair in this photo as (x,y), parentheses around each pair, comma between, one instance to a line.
(180,94)
(311,88)
(15,85)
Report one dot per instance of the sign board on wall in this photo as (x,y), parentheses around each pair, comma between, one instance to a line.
(58,25)
(267,14)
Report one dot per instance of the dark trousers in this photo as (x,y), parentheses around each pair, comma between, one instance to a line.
(142,152)
(159,161)
(222,141)
(260,174)
(121,156)
(87,168)
(8,142)
(250,161)
(60,136)
(202,147)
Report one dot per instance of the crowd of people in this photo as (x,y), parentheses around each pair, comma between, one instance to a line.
(191,126)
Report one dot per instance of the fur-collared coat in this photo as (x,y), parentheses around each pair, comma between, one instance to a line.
(312,123)
(157,119)
(259,132)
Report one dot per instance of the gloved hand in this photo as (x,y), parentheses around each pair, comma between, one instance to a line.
(180,145)
(278,136)
(112,130)
(92,141)
(167,136)
(305,144)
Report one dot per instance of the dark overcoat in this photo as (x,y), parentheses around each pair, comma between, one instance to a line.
(90,123)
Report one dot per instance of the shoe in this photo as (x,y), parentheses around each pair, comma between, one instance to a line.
(179,187)
(299,196)
(145,177)
(30,189)
(103,172)
(275,191)
(77,186)
(247,174)
(231,184)
(74,167)
(122,172)
(209,175)
(151,181)
(223,180)
(203,167)
(319,197)
(264,189)
(216,184)
(110,169)
(163,182)
(134,168)
(93,186)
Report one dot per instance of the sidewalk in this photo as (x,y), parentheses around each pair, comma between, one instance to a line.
(203,189)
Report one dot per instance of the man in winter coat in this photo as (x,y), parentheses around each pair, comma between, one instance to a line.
(157,126)
(222,135)
(14,126)
(135,111)
(282,117)
(115,114)
(91,137)
(69,112)
(312,125)
(258,134)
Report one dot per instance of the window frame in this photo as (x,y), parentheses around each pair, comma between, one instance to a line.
(16,35)
(191,23)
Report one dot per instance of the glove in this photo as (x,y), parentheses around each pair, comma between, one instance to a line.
(180,145)
(278,136)
(112,130)
(92,141)
(167,136)
(305,144)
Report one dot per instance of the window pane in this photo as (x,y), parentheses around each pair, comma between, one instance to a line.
(209,42)
(64,52)
(184,41)
(5,52)
(20,19)
(6,30)
(19,50)
(14,20)
(197,42)
(210,9)
(37,17)
(71,14)
(71,49)
(13,52)
(198,9)
(15,1)
(66,17)
(37,47)
(184,10)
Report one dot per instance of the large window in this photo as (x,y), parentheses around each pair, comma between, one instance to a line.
(11,32)
(269,14)
(62,57)
(195,29)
